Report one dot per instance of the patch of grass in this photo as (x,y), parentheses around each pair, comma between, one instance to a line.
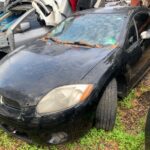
(141,124)
(125,141)
(26,146)
(8,142)
(5,140)
(144,88)
(127,101)
(101,140)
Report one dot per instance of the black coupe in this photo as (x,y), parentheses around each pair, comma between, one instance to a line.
(58,87)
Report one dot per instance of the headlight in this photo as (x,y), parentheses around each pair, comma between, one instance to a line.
(63,98)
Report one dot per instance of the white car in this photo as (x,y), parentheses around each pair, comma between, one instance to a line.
(1,4)
(18,26)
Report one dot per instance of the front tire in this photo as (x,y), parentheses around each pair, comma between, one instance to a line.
(107,107)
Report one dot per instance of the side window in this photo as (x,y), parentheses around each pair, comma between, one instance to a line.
(131,36)
(142,22)
(28,23)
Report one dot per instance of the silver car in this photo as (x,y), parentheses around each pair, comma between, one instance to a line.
(18,26)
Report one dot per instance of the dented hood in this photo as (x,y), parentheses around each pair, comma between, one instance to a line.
(28,74)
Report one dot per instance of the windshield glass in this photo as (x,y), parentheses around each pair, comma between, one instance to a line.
(89,29)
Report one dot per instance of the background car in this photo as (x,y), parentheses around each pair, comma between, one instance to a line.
(19,25)
(58,87)
(2,3)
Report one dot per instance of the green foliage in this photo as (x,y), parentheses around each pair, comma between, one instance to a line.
(127,101)
(144,88)
(124,140)
(25,146)
(5,140)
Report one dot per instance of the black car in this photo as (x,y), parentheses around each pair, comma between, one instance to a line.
(58,87)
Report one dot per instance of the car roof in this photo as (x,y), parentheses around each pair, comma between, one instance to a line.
(117,9)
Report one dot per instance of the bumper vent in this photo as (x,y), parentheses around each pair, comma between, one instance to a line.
(10,103)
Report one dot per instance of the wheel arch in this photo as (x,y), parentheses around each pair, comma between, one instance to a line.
(121,84)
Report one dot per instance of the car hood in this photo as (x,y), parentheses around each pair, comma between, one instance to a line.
(30,73)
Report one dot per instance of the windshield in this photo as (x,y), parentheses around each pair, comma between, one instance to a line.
(89,29)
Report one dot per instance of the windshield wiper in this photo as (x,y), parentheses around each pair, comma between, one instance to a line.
(55,40)
(81,43)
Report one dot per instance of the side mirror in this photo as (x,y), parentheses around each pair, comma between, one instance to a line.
(25,26)
(145,35)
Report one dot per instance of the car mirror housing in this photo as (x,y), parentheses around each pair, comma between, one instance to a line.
(25,26)
(145,35)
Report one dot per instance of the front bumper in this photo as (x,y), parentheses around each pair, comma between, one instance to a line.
(52,129)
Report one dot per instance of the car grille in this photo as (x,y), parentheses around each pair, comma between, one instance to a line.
(11,103)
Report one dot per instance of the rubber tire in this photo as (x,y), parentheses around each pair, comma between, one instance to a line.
(107,108)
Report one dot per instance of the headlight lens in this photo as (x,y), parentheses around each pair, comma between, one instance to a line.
(63,97)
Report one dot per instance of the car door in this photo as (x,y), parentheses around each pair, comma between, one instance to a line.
(136,63)
(132,50)
(141,67)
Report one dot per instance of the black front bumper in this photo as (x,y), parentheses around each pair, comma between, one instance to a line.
(67,125)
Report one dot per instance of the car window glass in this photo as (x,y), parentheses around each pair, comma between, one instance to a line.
(7,22)
(30,22)
(94,29)
(132,36)
(142,22)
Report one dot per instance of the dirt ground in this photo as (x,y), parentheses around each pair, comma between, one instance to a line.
(140,106)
